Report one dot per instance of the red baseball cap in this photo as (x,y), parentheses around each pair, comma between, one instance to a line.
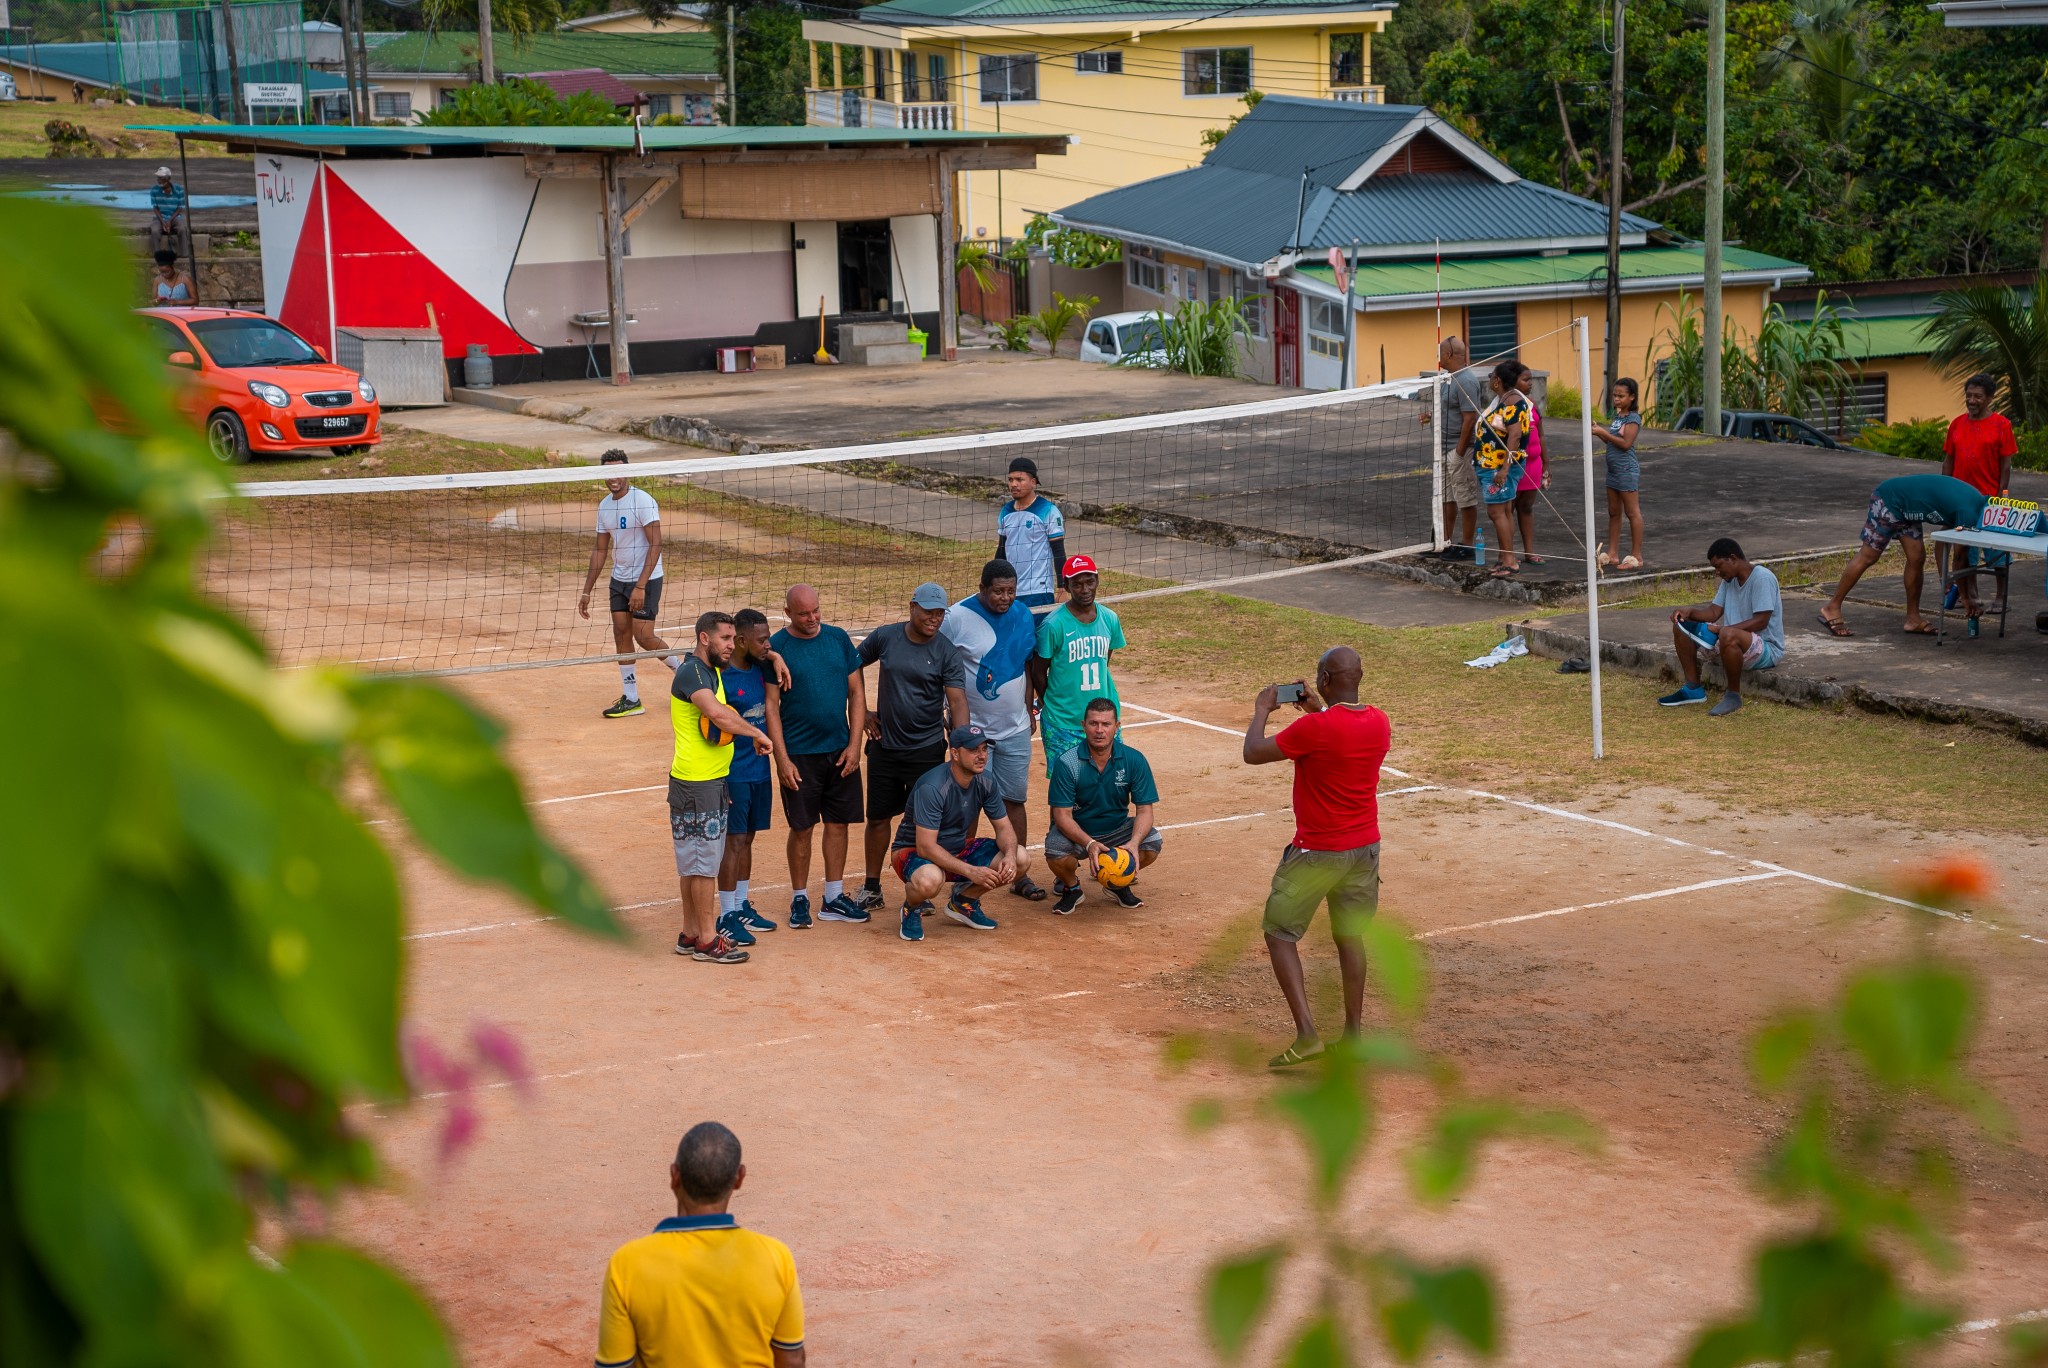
(1078,565)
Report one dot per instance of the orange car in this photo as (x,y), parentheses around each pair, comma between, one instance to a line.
(258,386)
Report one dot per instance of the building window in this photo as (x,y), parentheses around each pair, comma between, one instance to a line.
(935,75)
(1009,80)
(1347,59)
(1866,401)
(1099,63)
(913,88)
(1250,294)
(1215,71)
(1490,332)
(447,96)
(883,62)
(391,104)
(659,106)
(1326,327)
(1144,269)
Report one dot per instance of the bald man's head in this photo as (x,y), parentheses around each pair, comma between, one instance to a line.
(1451,353)
(800,605)
(1338,673)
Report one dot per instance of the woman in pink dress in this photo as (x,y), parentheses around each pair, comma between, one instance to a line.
(1533,475)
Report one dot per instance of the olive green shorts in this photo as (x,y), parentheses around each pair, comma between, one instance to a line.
(1349,880)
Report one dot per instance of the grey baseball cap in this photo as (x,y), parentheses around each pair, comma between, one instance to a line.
(929,596)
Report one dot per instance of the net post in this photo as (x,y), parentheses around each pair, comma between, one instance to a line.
(1436,460)
(1582,332)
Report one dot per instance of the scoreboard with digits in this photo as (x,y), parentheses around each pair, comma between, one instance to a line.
(2016,517)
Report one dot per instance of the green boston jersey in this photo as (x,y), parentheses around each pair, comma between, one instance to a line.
(1079,668)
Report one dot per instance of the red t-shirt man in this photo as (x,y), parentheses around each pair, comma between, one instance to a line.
(1979,452)
(1337,755)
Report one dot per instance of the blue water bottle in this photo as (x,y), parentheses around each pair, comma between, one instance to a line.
(1479,545)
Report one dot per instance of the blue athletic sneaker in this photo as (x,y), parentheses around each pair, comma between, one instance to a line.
(800,912)
(967,911)
(733,929)
(843,908)
(1689,693)
(751,917)
(911,928)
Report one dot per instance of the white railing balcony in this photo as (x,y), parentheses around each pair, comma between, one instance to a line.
(1361,94)
(851,108)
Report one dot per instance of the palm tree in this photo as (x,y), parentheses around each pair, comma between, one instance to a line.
(2002,333)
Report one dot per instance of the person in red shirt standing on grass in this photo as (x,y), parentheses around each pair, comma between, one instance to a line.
(1979,451)
(1337,750)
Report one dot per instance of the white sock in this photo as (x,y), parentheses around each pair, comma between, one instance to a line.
(739,893)
(674,662)
(834,888)
(727,900)
(630,680)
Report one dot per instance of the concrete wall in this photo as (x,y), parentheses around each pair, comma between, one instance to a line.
(1915,390)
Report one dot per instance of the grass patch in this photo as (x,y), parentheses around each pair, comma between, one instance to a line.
(1524,728)
(402,452)
(21,124)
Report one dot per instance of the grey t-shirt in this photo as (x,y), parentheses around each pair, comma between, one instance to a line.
(1464,392)
(910,699)
(1742,600)
(937,801)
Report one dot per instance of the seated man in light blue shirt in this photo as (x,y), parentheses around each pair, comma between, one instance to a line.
(1747,630)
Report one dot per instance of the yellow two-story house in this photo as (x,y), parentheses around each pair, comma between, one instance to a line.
(1133,84)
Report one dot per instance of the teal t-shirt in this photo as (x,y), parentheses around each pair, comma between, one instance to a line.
(1101,799)
(1932,498)
(814,704)
(1079,669)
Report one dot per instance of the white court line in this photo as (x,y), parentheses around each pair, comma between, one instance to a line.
(1978,1327)
(607,793)
(1610,902)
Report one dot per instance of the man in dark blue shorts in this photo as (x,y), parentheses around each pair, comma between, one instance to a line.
(936,843)
(817,725)
(749,789)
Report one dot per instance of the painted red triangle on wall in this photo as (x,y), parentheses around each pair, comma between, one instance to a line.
(304,310)
(381,280)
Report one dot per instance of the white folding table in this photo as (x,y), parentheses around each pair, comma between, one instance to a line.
(1953,569)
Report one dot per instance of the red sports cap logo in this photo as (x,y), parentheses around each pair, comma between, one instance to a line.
(1078,565)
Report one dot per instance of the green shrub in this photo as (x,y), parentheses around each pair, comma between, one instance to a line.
(1561,401)
(1915,441)
(1014,334)
(518,102)
(2033,445)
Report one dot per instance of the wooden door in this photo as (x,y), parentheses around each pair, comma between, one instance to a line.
(1287,338)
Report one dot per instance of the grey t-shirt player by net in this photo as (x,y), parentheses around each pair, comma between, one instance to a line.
(910,699)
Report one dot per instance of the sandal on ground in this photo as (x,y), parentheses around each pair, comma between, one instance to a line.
(1503,572)
(1294,1056)
(1024,888)
(1631,563)
(1923,629)
(1836,627)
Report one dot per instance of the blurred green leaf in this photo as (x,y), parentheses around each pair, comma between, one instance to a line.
(1781,1048)
(1318,1347)
(329,1308)
(1456,1300)
(1441,1163)
(1238,1291)
(437,759)
(1204,1114)
(1910,1024)
(1824,1295)
(1394,960)
(1332,1116)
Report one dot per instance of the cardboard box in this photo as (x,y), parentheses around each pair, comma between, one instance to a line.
(768,358)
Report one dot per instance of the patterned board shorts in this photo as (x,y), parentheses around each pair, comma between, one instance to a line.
(1880,525)
(696,825)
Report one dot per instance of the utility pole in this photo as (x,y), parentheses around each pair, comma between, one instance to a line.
(1717,81)
(732,79)
(364,108)
(227,38)
(1615,104)
(486,60)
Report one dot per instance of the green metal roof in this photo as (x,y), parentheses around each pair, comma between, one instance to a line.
(413,139)
(1075,11)
(1874,337)
(1472,275)
(621,54)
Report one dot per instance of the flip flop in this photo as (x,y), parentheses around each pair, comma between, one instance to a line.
(1836,627)
(1294,1056)
(1026,889)
(1922,630)
(1503,572)
(1631,563)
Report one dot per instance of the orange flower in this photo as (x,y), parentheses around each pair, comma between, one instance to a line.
(1953,879)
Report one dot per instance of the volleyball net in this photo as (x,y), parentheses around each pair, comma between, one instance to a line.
(481,571)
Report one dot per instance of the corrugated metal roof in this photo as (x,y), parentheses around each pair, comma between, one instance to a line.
(609,88)
(100,63)
(1218,212)
(1283,134)
(1410,210)
(640,54)
(1462,275)
(989,11)
(1874,337)
(340,137)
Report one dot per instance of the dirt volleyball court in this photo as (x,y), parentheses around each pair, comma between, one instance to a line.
(977,1153)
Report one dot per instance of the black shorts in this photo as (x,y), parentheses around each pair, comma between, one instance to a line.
(622,598)
(891,774)
(822,792)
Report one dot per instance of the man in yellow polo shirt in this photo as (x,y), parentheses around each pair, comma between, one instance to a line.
(700,1291)
(705,725)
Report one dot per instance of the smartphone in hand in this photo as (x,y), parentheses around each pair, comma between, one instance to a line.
(1287,693)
